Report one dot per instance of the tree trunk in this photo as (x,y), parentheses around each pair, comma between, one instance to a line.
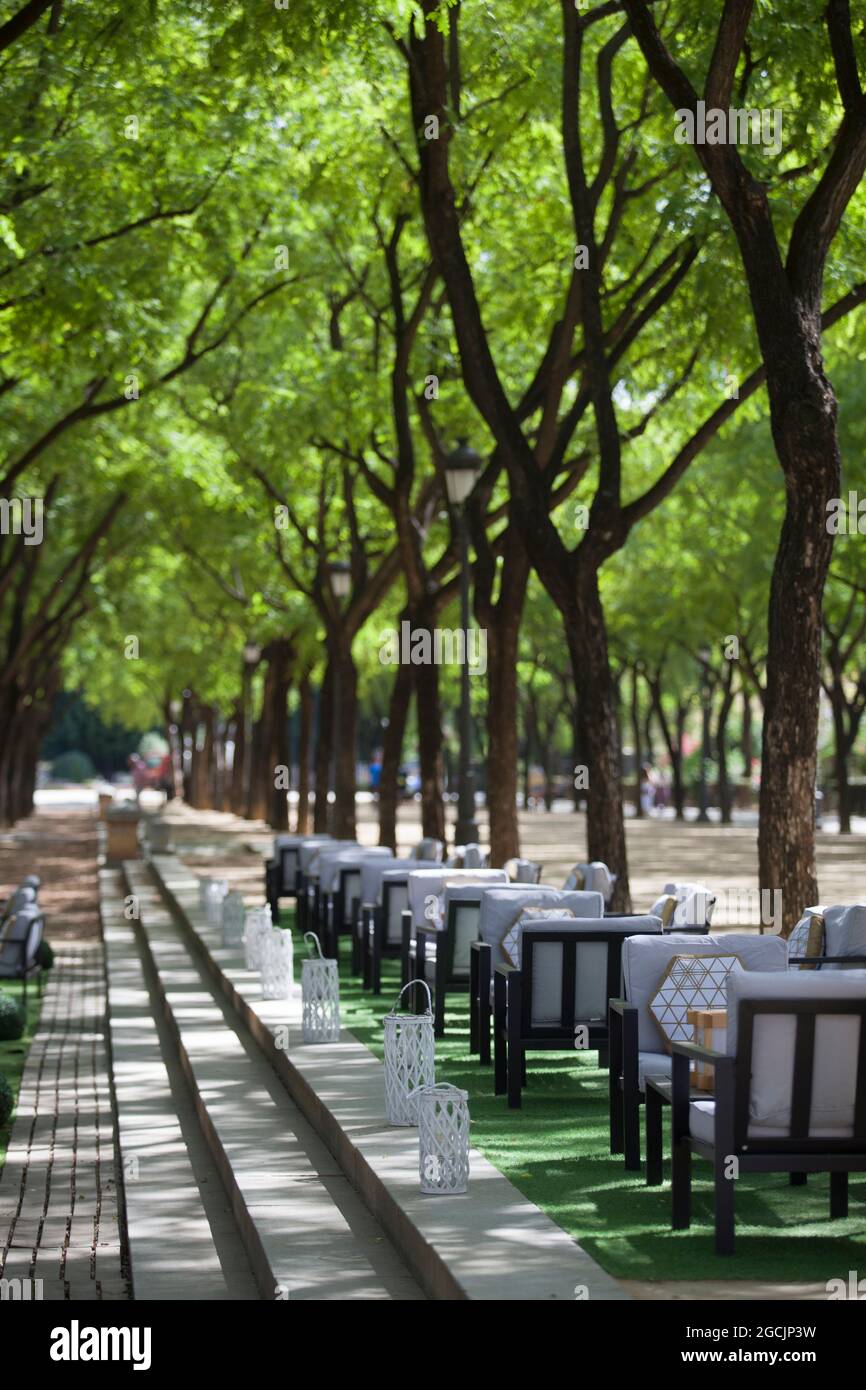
(587,641)
(305,737)
(746,739)
(841,748)
(725,798)
(429,714)
(392,752)
(279,656)
(502,706)
(635,733)
(323,751)
(346,735)
(804,431)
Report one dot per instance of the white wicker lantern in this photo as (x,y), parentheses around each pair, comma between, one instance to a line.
(410,1059)
(443,1139)
(258,921)
(233,914)
(276,952)
(217,890)
(320,990)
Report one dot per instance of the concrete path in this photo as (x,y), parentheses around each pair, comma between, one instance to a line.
(306,1233)
(182,1235)
(490,1244)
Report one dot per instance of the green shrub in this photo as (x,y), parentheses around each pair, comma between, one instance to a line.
(12,1018)
(7,1100)
(45,955)
(73,767)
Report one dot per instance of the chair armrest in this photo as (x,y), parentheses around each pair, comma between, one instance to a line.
(621,1006)
(826,960)
(428,929)
(507,970)
(696,1053)
(480,946)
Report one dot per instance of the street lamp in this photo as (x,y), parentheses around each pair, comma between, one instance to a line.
(461,471)
(340,575)
(703,802)
(340,578)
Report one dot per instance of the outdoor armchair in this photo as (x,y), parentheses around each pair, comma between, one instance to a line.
(558,996)
(790,1091)
(637,1045)
(20,938)
(283,869)
(384,897)
(425,905)
(497,927)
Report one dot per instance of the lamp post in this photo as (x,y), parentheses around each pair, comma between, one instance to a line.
(340,579)
(461,471)
(703,801)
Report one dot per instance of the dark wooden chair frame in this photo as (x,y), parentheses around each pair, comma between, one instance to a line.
(374,945)
(514,1033)
(626,1097)
(282,878)
(795,1154)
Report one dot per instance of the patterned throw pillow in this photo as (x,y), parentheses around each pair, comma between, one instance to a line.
(690,982)
(807,939)
(511,939)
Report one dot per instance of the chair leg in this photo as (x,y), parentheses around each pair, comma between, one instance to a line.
(500,1047)
(604,1055)
(473,1003)
(366,954)
(631,1130)
(356,939)
(681,1185)
(798,1179)
(516,1054)
(654,1146)
(724,1207)
(615,1100)
(838,1196)
(516,1063)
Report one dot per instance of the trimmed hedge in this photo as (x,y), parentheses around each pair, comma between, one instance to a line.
(7,1100)
(12,1018)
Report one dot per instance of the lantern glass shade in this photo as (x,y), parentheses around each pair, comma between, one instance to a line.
(461,470)
(341,578)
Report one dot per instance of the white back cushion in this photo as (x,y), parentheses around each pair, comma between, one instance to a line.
(836,1046)
(590,986)
(425,884)
(645,960)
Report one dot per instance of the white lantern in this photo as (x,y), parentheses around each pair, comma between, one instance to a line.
(258,921)
(232,922)
(276,953)
(443,1139)
(217,889)
(410,1059)
(204,884)
(320,990)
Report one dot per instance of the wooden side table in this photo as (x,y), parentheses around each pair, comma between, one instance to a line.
(710,1029)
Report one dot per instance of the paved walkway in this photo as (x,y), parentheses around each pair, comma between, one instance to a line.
(59,1200)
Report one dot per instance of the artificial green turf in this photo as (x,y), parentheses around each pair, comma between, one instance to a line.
(555,1150)
(13,1055)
